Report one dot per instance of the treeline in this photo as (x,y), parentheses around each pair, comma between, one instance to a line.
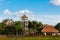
(10,27)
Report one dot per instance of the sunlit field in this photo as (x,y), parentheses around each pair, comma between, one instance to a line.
(31,38)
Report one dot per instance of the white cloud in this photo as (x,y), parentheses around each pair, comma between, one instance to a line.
(55,2)
(20,13)
(26,12)
(2,18)
(49,19)
(45,19)
(7,12)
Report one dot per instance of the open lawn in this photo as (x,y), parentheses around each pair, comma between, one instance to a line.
(31,38)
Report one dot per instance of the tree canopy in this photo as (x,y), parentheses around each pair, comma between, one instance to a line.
(58,27)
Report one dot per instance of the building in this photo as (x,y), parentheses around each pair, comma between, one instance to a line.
(49,30)
(25,24)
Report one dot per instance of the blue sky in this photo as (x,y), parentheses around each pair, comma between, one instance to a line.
(46,11)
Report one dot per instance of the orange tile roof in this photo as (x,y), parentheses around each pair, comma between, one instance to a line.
(49,28)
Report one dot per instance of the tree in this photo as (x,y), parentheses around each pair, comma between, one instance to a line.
(8,25)
(40,26)
(36,26)
(32,27)
(18,26)
(1,28)
(10,30)
(58,27)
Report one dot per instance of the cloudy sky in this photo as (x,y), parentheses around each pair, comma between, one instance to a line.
(45,11)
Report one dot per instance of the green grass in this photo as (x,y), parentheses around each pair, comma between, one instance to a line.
(31,38)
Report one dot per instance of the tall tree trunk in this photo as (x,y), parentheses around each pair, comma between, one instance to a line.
(17,32)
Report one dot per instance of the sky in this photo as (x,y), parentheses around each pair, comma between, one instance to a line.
(45,11)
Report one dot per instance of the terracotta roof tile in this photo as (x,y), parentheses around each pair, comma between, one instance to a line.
(49,28)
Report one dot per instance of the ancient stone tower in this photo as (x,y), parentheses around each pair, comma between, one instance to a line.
(25,24)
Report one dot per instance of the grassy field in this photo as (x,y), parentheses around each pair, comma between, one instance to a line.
(31,38)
